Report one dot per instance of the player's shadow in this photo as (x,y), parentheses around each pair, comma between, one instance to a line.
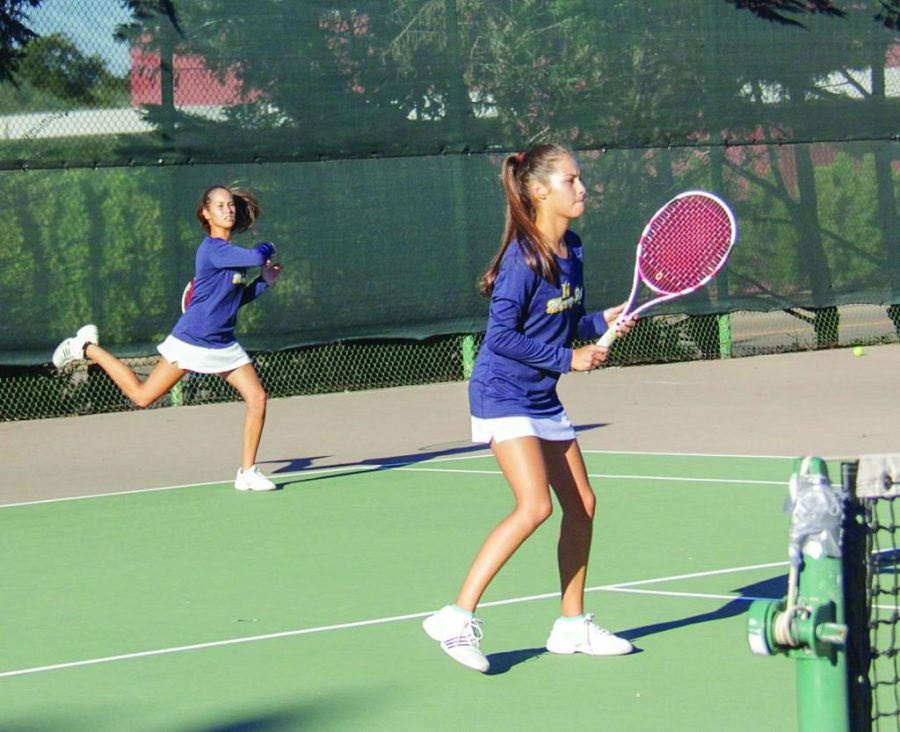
(503,661)
(289,466)
(770,589)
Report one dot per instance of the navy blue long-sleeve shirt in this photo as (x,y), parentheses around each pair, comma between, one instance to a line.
(531,326)
(220,289)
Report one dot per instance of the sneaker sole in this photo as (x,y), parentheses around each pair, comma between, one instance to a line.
(561,650)
(89,334)
(481,667)
(571,650)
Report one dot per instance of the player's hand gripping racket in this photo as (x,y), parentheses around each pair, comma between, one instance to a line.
(681,249)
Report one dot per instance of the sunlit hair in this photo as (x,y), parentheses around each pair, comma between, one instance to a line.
(246,207)
(520,171)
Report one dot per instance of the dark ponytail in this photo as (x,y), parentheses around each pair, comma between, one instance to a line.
(518,173)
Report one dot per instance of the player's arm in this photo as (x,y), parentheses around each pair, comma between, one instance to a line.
(231,256)
(269,274)
(508,304)
(591,325)
(591,356)
(253,290)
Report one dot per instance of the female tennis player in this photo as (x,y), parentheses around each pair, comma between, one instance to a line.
(203,339)
(536,290)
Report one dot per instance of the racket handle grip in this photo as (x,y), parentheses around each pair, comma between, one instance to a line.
(606,340)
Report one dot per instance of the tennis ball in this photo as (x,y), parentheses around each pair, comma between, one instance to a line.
(858,351)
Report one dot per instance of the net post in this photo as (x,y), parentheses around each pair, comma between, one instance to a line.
(809,624)
(468,355)
(822,694)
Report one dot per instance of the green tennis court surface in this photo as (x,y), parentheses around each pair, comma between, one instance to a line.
(201,608)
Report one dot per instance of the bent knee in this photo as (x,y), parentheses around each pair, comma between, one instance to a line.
(256,401)
(581,510)
(142,397)
(589,503)
(535,514)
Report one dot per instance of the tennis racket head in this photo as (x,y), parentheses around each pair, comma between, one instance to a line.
(686,243)
(186,294)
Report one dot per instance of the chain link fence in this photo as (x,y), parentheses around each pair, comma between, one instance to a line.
(33,393)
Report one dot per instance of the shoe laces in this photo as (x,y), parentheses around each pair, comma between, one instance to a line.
(593,630)
(470,634)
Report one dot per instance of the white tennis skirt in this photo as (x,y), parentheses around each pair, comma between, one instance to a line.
(555,428)
(202,360)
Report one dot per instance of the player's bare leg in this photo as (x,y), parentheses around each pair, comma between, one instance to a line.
(575,631)
(569,479)
(248,385)
(522,462)
(163,377)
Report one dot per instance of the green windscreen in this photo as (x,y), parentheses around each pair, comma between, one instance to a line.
(373,133)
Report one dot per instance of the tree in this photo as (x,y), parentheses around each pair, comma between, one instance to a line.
(54,64)
(14,35)
(797,91)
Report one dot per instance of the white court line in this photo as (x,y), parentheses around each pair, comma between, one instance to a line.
(691,595)
(690,454)
(620,587)
(364,467)
(707,573)
(354,468)
(348,468)
(611,475)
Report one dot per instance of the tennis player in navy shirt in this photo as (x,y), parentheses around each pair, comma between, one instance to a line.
(536,288)
(203,339)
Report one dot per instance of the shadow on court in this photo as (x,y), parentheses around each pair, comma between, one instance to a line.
(290,466)
(266,723)
(774,588)
(339,710)
(505,660)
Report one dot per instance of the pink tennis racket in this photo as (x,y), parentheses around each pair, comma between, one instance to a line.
(683,246)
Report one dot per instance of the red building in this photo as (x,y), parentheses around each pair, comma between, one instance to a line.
(195,84)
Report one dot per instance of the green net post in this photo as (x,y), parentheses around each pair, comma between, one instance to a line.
(468,355)
(809,625)
(725,335)
(822,700)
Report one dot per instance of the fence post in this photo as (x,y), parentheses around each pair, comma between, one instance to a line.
(725,335)
(468,355)
(177,394)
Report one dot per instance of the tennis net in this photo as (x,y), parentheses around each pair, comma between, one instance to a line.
(871,572)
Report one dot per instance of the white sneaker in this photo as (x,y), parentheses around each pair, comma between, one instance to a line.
(72,349)
(569,636)
(459,636)
(252,480)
